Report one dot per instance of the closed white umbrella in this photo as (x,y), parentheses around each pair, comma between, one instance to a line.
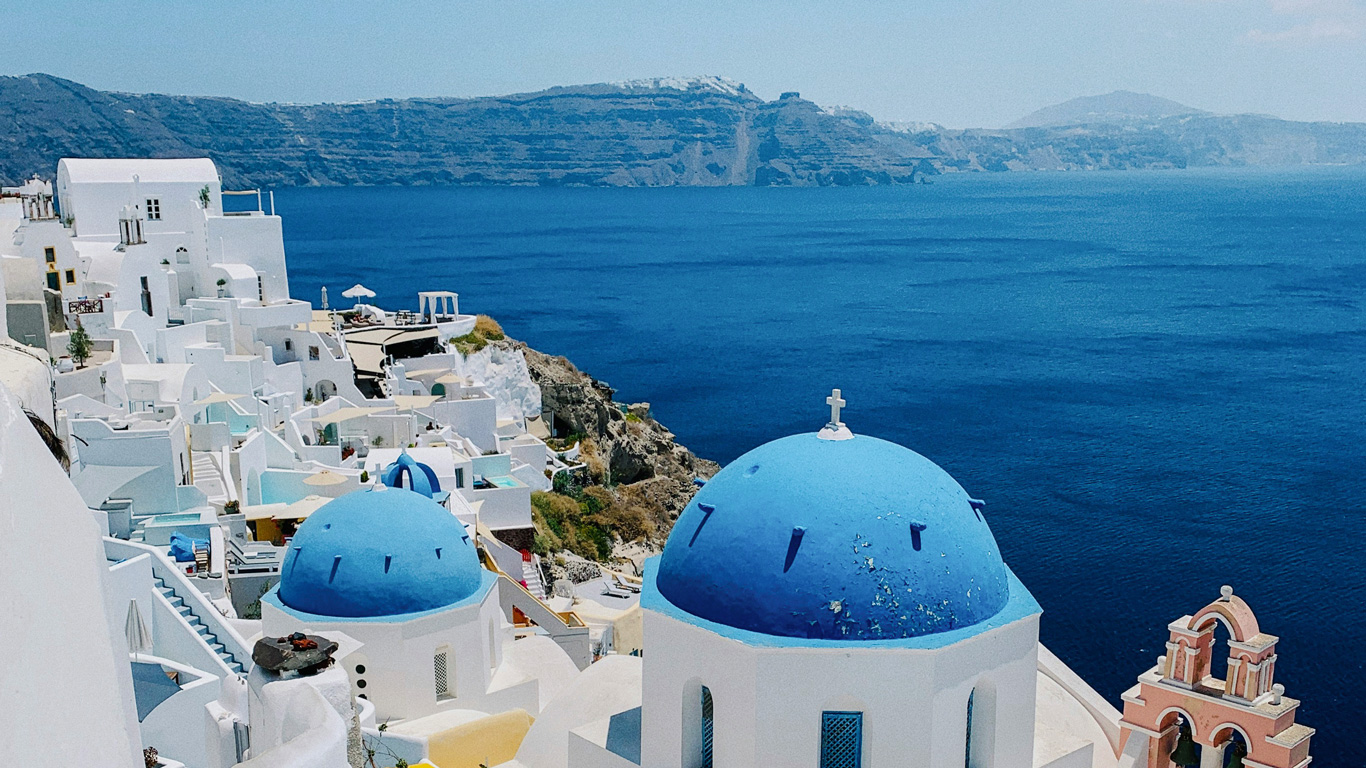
(139,639)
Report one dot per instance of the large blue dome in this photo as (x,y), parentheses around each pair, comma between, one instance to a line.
(379,552)
(850,540)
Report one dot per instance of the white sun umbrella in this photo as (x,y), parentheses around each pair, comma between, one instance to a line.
(358,292)
(135,629)
(302,508)
(325,477)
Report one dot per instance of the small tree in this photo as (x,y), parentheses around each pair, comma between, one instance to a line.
(79,345)
(204,197)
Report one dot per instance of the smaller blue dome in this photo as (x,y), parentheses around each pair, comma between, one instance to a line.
(421,478)
(380,552)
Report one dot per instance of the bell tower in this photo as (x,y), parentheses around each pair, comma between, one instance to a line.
(1185,716)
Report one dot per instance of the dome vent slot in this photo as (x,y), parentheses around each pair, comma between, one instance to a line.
(793,545)
(336,563)
(916,528)
(707,509)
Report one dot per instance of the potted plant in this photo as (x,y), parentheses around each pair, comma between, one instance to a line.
(221,290)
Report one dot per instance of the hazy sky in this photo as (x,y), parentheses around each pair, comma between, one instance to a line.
(961,63)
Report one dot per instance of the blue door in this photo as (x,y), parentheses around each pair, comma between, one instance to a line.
(841,739)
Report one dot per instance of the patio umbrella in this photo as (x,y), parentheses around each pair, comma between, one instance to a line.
(325,477)
(302,508)
(358,291)
(135,629)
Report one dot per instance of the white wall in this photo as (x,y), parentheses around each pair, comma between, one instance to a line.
(398,658)
(45,523)
(768,701)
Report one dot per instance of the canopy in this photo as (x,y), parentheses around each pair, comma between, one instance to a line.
(357,291)
(218,397)
(348,413)
(410,402)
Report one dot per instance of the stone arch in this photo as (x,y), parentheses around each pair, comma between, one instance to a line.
(1168,718)
(1167,743)
(1225,731)
(324,389)
(1234,612)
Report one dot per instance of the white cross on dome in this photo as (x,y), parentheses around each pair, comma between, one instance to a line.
(835,430)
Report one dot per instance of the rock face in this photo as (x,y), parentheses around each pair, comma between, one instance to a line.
(663,132)
(635,450)
(699,132)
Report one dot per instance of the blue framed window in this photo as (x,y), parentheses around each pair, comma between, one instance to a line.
(708,727)
(841,739)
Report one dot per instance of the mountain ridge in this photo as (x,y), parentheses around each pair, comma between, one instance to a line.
(1113,107)
(702,131)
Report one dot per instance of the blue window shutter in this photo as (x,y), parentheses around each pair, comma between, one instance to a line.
(841,739)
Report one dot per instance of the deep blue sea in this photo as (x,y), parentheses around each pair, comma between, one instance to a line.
(1155,379)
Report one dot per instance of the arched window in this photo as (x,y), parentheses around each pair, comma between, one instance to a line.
(967,748)
(841,739)
(708,728)
(979,729)
(443,674)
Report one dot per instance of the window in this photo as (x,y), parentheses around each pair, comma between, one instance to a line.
(459,477)
(260,290)
(441,667)
(289,345)
(50,254)
(841,739)
(146,297)
(52,281)
(312,353)
(70,277)
(967,747)
(708,728)
(154,209)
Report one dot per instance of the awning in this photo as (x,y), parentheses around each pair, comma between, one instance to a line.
(348,413)
(97,482)
(451,378)
(409,402)
(218,397)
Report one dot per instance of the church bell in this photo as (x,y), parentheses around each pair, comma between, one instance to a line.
(1186,753)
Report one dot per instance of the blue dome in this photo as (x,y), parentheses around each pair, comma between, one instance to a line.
(379,552)
(851,540)
(421,478)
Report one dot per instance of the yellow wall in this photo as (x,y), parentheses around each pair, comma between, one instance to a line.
(490,741)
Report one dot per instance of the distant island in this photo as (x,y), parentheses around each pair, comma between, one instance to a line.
(703,131)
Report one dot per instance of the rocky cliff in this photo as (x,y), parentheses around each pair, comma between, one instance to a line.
(697,132)
(624,447)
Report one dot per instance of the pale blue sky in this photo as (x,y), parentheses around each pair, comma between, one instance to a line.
(963,63)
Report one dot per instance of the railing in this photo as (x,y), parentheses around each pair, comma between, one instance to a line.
(232,641)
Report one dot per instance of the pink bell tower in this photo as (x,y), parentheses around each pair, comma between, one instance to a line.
(1188,717)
